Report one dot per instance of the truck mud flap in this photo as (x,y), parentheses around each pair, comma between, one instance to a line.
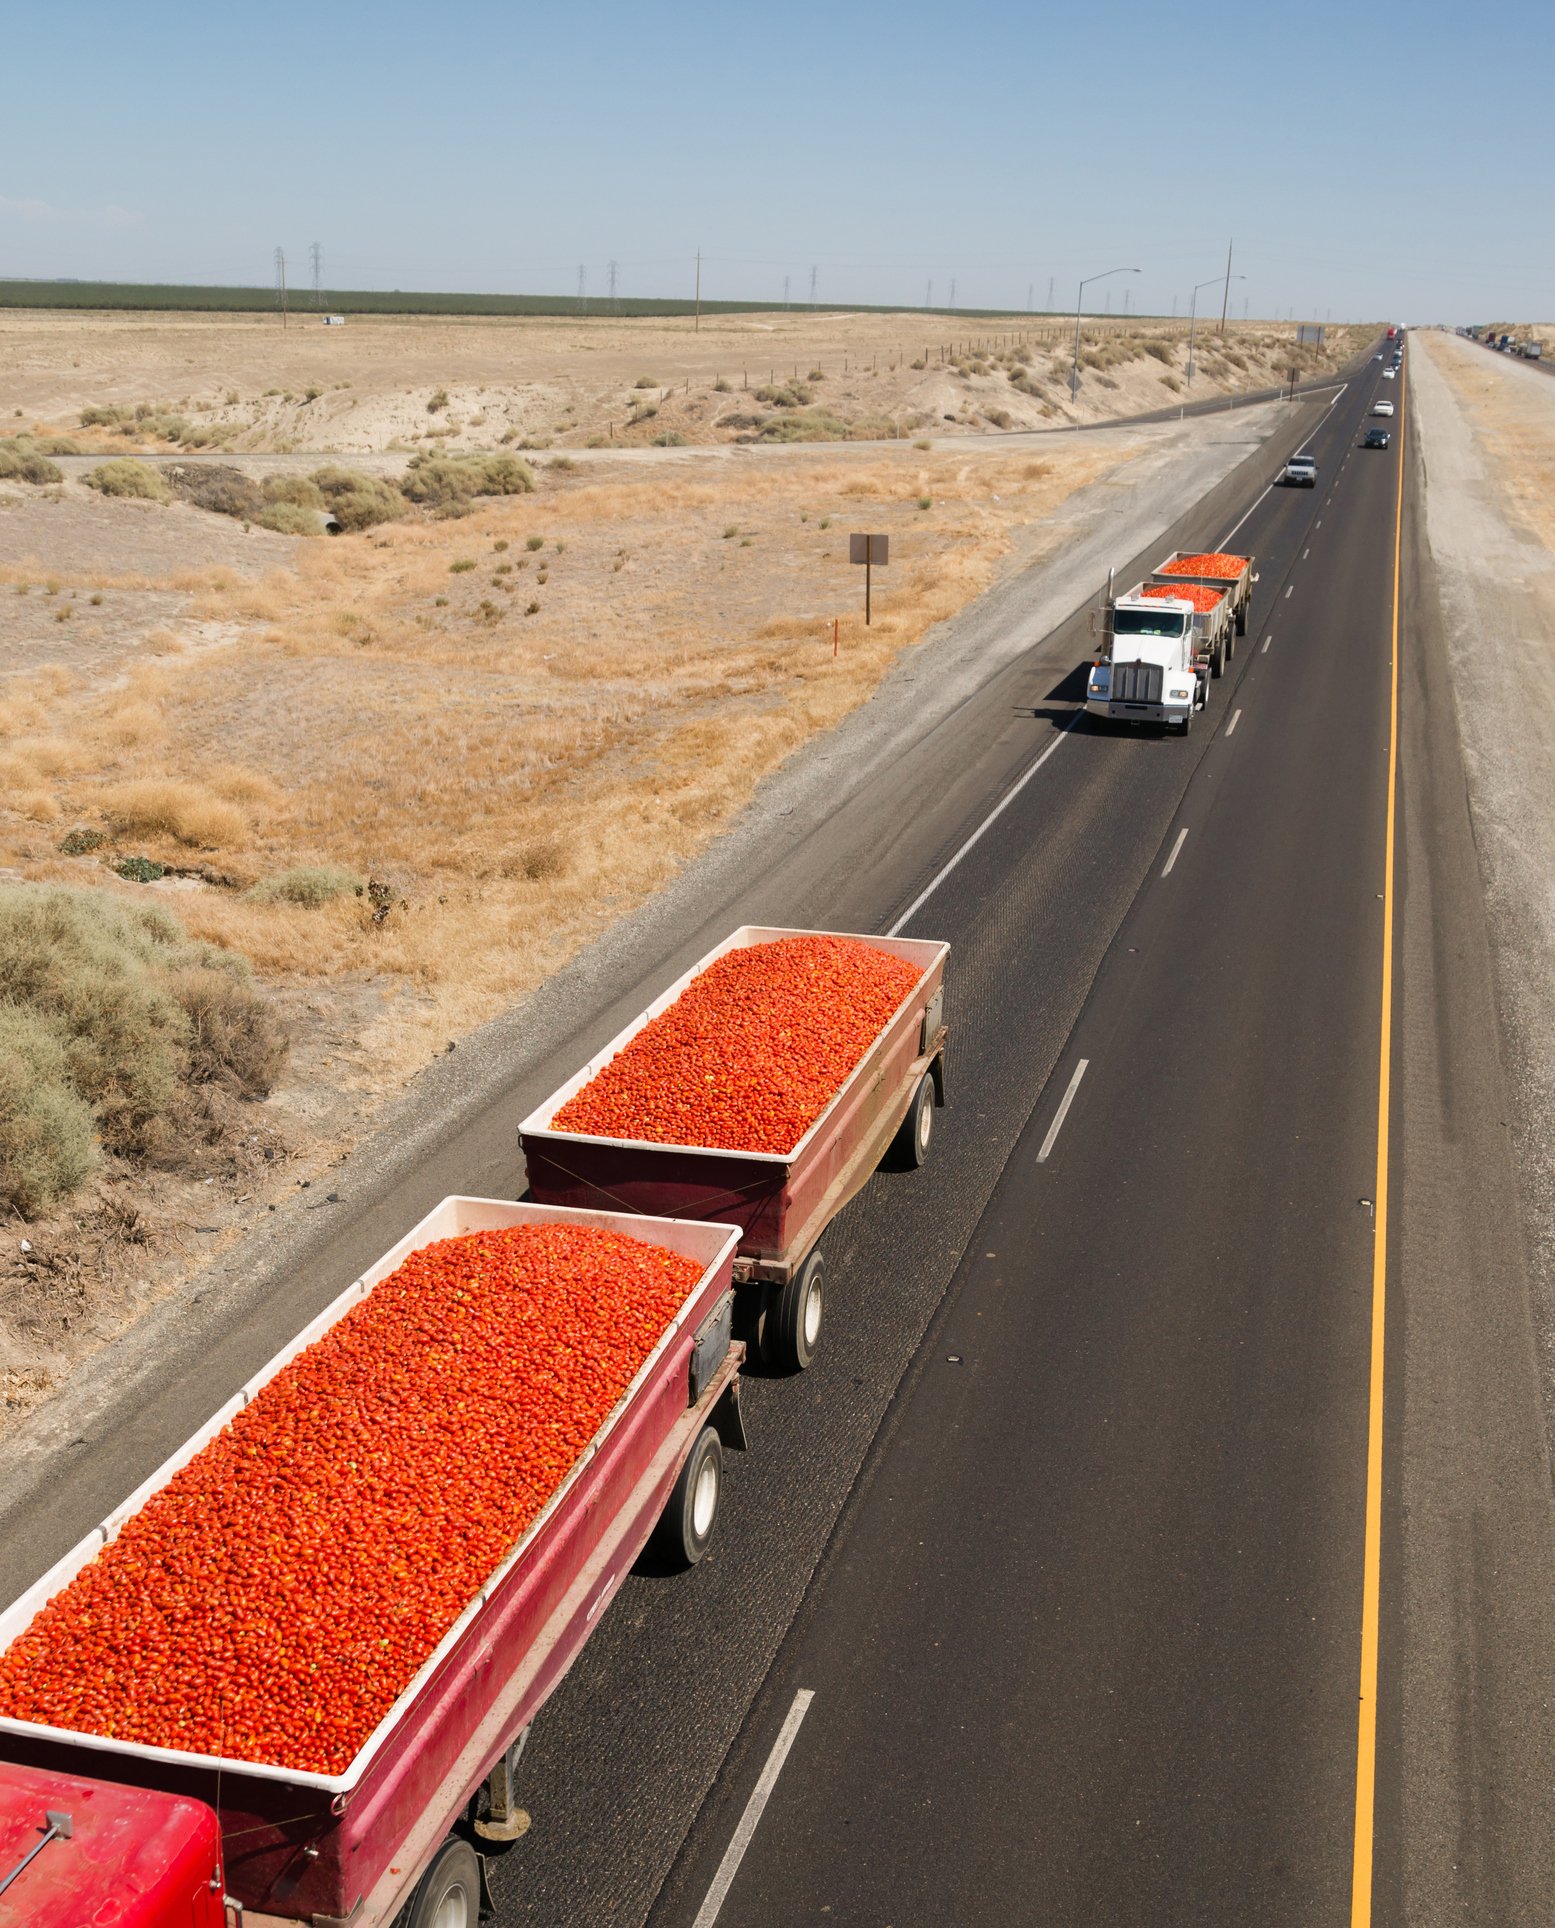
(728,1420)
(710,1345)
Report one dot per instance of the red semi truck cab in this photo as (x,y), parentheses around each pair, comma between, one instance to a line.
(91,1854)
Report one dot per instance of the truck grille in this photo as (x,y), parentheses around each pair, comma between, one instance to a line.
(1136,682)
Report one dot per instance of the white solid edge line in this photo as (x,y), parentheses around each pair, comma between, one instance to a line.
(1058,1121)
(1233,723)
(1182,838)
(997,811)
(1231,532)
(761,1793)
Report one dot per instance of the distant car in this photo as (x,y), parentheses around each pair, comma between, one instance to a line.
(1376,358)
(1390,374)
(1376,438)
(1300,472)
(1382,408)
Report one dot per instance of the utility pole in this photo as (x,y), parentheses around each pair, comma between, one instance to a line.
(583,282)
(928,294)
(1226,297)
(1031,289)
(614,308)
(952,294)
(280,280)
(697,327)
(813,273)
(1052,283)
(318,270)
(785,291)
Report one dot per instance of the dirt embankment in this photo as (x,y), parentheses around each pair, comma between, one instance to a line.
(247,384)
(1487,432)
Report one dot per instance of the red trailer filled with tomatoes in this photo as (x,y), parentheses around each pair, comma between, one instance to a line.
(762,1089)
(329,1619)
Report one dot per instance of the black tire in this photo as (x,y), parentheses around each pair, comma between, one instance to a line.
(451,1884)
(794,1317)
(685,1528)
(1241,620)
(1217,663)
(1186,724)
(910,1147)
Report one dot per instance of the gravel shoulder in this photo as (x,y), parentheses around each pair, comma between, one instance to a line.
(1487,438)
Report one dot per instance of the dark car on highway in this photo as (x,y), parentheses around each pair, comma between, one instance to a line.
(1376,438)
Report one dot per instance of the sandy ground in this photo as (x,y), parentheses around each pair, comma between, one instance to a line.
(1487,433)
(404,382)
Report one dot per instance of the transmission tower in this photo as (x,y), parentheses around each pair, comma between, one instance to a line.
(952,294)
(928,294)
(1052,283)
(317,254)
(813,273)
(280,281)
(613,308)
(785,291)
(583,283)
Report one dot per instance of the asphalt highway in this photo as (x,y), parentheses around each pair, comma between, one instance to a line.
(1075,1578)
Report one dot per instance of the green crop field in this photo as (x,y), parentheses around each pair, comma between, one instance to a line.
(173,298)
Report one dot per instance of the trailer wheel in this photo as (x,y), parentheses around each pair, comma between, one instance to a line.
(794,1320)
(1241,620)
(910,1146)
(685,1528)
(449,1893)
(1217,663)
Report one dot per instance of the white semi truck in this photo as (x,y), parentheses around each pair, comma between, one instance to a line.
(1147,672)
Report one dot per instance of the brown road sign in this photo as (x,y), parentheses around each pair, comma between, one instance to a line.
(870,549)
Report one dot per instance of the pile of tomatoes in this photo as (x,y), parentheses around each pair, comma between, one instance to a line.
(751,1052)
(275,1598)
(1213,562)
(1198,594)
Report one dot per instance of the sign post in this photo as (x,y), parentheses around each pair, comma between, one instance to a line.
(874,552)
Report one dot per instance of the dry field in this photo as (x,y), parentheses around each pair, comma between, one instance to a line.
(393,382)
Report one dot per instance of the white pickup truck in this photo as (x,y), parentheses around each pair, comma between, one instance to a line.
(1148,674)
(1300,472)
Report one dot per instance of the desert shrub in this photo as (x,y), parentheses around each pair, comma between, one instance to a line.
(785,395)
(437,401)
(139,870)
(816,375)
(723,386)
(813,425)
(1000,417)
(215,487)
(460,567)
(1171,382)
(289,519)
(358,501)
(105,415)
(450,483)
(235,1039)
(533,543)
(127,477)
(77,843)
(671,438)
(21,462)
(47,1146)
(155,806)
(1160,350)
(645,381)
(300,490)
(58,445)
(925,502)
(563,462)
(923,443)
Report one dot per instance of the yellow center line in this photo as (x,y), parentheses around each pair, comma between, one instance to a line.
(1371,1586)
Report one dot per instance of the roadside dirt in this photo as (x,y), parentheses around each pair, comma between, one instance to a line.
(1487,433)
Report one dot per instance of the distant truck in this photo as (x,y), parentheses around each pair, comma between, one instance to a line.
(95,1830)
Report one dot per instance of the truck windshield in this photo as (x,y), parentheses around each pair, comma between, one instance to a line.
(1145,622)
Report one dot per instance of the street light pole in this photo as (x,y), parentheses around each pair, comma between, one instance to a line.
(1074,372)
(1214,281)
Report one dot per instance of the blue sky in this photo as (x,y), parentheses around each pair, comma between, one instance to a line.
(1375,162)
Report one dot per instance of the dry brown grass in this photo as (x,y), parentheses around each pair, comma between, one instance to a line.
(512,783)
(1512,409)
